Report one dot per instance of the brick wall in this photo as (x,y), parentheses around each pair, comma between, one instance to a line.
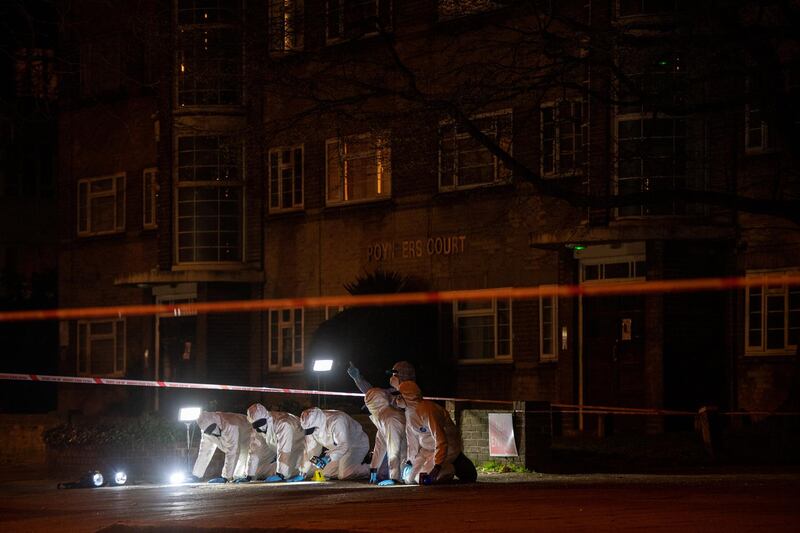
(22,437)
(532,433)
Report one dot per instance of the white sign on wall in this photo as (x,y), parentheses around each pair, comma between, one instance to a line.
(501,435)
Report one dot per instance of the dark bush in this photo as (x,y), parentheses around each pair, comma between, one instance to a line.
(145,432)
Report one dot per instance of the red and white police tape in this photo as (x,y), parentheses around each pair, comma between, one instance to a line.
(560,407)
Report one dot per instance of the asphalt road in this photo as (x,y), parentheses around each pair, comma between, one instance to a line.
(498,502)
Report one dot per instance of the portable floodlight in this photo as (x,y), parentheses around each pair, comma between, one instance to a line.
(323,365)
(189,414)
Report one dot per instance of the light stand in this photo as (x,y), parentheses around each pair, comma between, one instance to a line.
(321,365)
(188,415)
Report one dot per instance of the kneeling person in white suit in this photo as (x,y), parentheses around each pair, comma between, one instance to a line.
(344,438)
(231,433)
(281,432)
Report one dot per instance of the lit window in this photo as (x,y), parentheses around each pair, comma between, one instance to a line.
(209,199)
(285,25)
(101,205)
(548,328)
(483,330)
(564,132)
(101,347)
(359,168)
(286,339)
(149,198)
(466,163)
(772,319)
(286,178)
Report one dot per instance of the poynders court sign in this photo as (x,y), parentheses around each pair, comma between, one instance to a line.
(411,248)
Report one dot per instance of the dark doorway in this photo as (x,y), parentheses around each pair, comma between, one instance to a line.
(177,360)
(613,351)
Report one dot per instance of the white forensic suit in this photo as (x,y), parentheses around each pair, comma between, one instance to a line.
(232,434)
(344,438)
(433,438)
(283,435)
(390,439)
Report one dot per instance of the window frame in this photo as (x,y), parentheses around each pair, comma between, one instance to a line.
(182,42)
(150,178)
(297,8)
(643,117)
(580,136)
(381,157)
(280,150)
(764,146)
(380,5)
(180,184)
(486,311)
(84,343)
(551,356)
(117,189)
(768,290)
(281,326)
(498,167)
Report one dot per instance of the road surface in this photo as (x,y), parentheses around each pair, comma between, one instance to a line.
(498,502)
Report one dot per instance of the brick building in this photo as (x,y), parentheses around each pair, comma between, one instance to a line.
(283,148)
(28,243)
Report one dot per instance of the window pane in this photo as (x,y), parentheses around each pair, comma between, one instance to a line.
(775,322)
(476,337)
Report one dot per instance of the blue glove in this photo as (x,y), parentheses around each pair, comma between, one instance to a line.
(275,479)
(245,479)
(298,477)
(218,480)
(387,483)
(373,475)
(323,461)
(353,372)
(407,470)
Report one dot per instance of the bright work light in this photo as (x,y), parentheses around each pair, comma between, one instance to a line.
(177,478)
(323,365)
(120,478)
(189,414)
(97,479)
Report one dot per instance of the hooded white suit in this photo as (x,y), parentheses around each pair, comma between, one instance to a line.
(344,438)
(433,438)
(390,439)
(232,435)
(283,436)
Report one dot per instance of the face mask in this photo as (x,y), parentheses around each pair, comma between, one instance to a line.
(210,431)
(260,425)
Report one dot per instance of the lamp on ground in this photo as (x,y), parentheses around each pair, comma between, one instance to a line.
(187,415)
(320,366)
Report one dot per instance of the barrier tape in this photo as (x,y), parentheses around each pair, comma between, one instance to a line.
(561,407)
(410,298)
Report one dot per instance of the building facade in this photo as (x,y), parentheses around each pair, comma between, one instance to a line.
(281,149)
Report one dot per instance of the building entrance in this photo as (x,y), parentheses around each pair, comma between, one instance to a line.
(613,329)
(613,336)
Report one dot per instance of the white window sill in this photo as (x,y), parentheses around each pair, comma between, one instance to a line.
(789,352)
